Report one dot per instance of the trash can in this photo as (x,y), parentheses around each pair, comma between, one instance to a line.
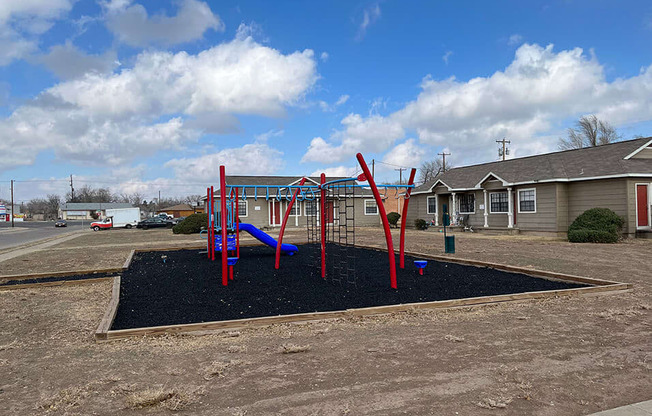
(449,244)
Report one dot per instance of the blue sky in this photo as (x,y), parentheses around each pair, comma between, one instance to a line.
(152,95)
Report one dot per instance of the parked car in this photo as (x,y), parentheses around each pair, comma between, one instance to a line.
(154,222)
(61,223)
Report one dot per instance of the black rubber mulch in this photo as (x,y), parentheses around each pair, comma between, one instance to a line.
(55,279)
(187,288)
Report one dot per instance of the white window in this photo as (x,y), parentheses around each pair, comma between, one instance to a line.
(370,207)
(311,207)
(432,205)
(467,204)
(243,208)
(295,211)
(527,200)
(499,203)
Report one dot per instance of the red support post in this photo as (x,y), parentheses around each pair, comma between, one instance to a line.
(383,217)
(237,224)
(213,214)
(404,219)
(225,254)
(208,222)
(277,262)
(323,225)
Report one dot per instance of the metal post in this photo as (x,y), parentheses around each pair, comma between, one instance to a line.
(12,203)
(323,225)
(225,255)
(404,219)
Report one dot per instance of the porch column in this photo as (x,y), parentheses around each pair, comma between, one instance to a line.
(486,209)
(453,211)
(436,210)
(510,211)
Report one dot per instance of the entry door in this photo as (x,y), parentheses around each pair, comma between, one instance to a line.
(328,212)
(642,208)
(275,213)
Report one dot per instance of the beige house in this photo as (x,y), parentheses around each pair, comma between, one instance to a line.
(264,210)
(544,194)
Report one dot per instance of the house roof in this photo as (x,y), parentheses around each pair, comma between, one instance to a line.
(570,165)
(178,207)
(87,206)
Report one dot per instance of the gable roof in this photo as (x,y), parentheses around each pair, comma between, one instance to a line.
(179,207)
(570,165)
(88,206)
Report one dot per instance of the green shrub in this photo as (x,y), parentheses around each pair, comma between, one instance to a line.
(596,225)
(393,217)
(191,225)
(592,236)
(420,224)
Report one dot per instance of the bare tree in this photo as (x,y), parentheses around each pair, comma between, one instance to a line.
(89,194)
(429,170)
(590,132)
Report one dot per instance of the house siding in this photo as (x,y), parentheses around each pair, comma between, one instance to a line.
(545,217)
(261,218)
(603,193)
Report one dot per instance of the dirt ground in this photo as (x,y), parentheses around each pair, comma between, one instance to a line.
(563,356)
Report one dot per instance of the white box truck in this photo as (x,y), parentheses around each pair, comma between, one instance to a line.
(118,218)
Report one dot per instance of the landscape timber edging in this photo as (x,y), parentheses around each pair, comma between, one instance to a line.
(104,333)
(124,267)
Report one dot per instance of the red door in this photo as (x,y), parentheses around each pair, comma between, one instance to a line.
(642,206)
(328,212)
(275,213)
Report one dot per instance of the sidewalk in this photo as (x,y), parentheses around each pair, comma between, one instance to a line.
(38,245)
(636,409)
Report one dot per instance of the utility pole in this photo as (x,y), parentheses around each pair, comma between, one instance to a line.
(504,151)
(12,203)
(373,167)
(443,156)
(159,200)
(72,191)
(400,175)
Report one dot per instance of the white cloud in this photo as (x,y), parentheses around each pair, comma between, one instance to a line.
(328,107)
(343,171)
(406,154)
(324,56)
(515,39)
(369,16)
(22,21)
(373,134)
(250,159)
(132,25)
(67,62)
(528,102)
(343,99)
(240,76)
(446,56)
(109,119)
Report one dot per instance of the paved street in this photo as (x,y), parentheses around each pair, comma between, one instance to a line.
(29,231)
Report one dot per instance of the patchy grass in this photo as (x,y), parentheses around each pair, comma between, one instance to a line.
(494,403)
(293,349)
(159,397)
(218,368)
(453,338)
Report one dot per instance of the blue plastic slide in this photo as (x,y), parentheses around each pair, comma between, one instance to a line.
(263,237)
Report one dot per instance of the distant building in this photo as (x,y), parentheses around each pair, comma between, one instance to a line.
(86,210)
(543,194)
(262,212)
(181,210)
(5,213)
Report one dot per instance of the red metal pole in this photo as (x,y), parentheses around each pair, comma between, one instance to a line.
(237,224)
(208,222)
(383,217)
(214,214)
(225,254)
(277,262)
(323,226)
(404,219)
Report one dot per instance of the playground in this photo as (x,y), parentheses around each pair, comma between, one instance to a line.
(336,319)
(554,356)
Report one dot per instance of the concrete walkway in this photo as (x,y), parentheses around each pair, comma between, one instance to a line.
(636,409)
(33,247)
